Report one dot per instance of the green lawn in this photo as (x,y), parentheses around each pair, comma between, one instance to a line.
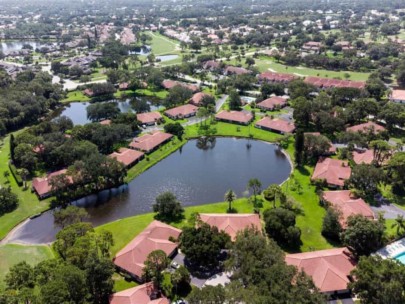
(148,92)
(153,158)
(266,64)
(12,254)
(162,45)
(29,203)
(75,96)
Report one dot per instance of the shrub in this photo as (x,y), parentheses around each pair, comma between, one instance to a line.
(14,172)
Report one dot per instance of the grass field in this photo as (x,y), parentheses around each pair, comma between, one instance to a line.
(162,45)
(12,254)
(29,203)
(75,96)
(266,64)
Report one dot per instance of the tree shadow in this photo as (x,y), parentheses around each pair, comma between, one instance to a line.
(170,220)
(304,171)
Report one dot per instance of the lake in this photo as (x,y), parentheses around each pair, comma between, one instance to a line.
(197,174)
(76,111)
(164,58)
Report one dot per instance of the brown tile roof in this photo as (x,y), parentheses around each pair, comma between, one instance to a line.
(123,86)
(276,77)
(127,156)
(334,83)
(197,98)
(334,171)
(211,64)
(235,116)
(41,184)
(276,124)
(348,204)
(272,102)
(330,269)
(169,84)
(397,95)
(182,111)
(232,223)
(363,157)
(365,127)
(148,142)
(155,237)
(236,70)
(105,122)
(88,92)
(148,118)
(141,294)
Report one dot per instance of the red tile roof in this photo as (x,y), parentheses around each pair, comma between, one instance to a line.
(148,118)
(334,83)
(276,77)
(236,70)
(127,156)
(330,269)
(169,84)
(148,142)
(105,122)
(197,98)
(155,237)
(363,157)
(334,171)
(272,102)
(365,127)
(141,294)
(123,86)
(88,92)
(211,64)
(348,204)
(182,111)
(232,223)
(397,95)
(235,116)
(41,184)
(276,124)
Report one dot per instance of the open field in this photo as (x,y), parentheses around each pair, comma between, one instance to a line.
(29,203)
(12,254)
(75,96)
(162,45)
(266,64)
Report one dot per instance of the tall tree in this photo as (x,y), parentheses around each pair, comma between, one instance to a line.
(230,196)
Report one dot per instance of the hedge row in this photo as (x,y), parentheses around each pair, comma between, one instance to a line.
(17,176)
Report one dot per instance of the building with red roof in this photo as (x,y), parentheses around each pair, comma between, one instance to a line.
(184,111)
(123,86)
(232,223)
(128,157)
(329,269)
(237,117)
(347,204)
(233,70)
(326,83)
(397,96)
(313,46)
(156,236)
(142,294)
(197,98)
(149,118)
(275,102)
(169,84)
(42,186)
(333,171)
(363,157)
(369,126)
(105,122)
(150,142)
(88,92)
(275,125)
(276,77)
(212,65)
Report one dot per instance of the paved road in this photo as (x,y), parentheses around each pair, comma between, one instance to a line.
(390,211)
(220,102)
(68,84)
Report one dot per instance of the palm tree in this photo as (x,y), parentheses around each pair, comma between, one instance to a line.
(24,174)
(230,196)
(255,185)
(272,193)
(399,224)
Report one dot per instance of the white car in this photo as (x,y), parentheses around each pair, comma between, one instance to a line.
(175,265)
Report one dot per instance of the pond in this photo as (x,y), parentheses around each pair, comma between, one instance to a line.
(76,111)
(197,174)
(16,45)
(166,57)
(140,50)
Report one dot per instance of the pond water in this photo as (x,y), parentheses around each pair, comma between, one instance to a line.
(76,111)
(167,57)
(197,174)
(16,45)
(141,50)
